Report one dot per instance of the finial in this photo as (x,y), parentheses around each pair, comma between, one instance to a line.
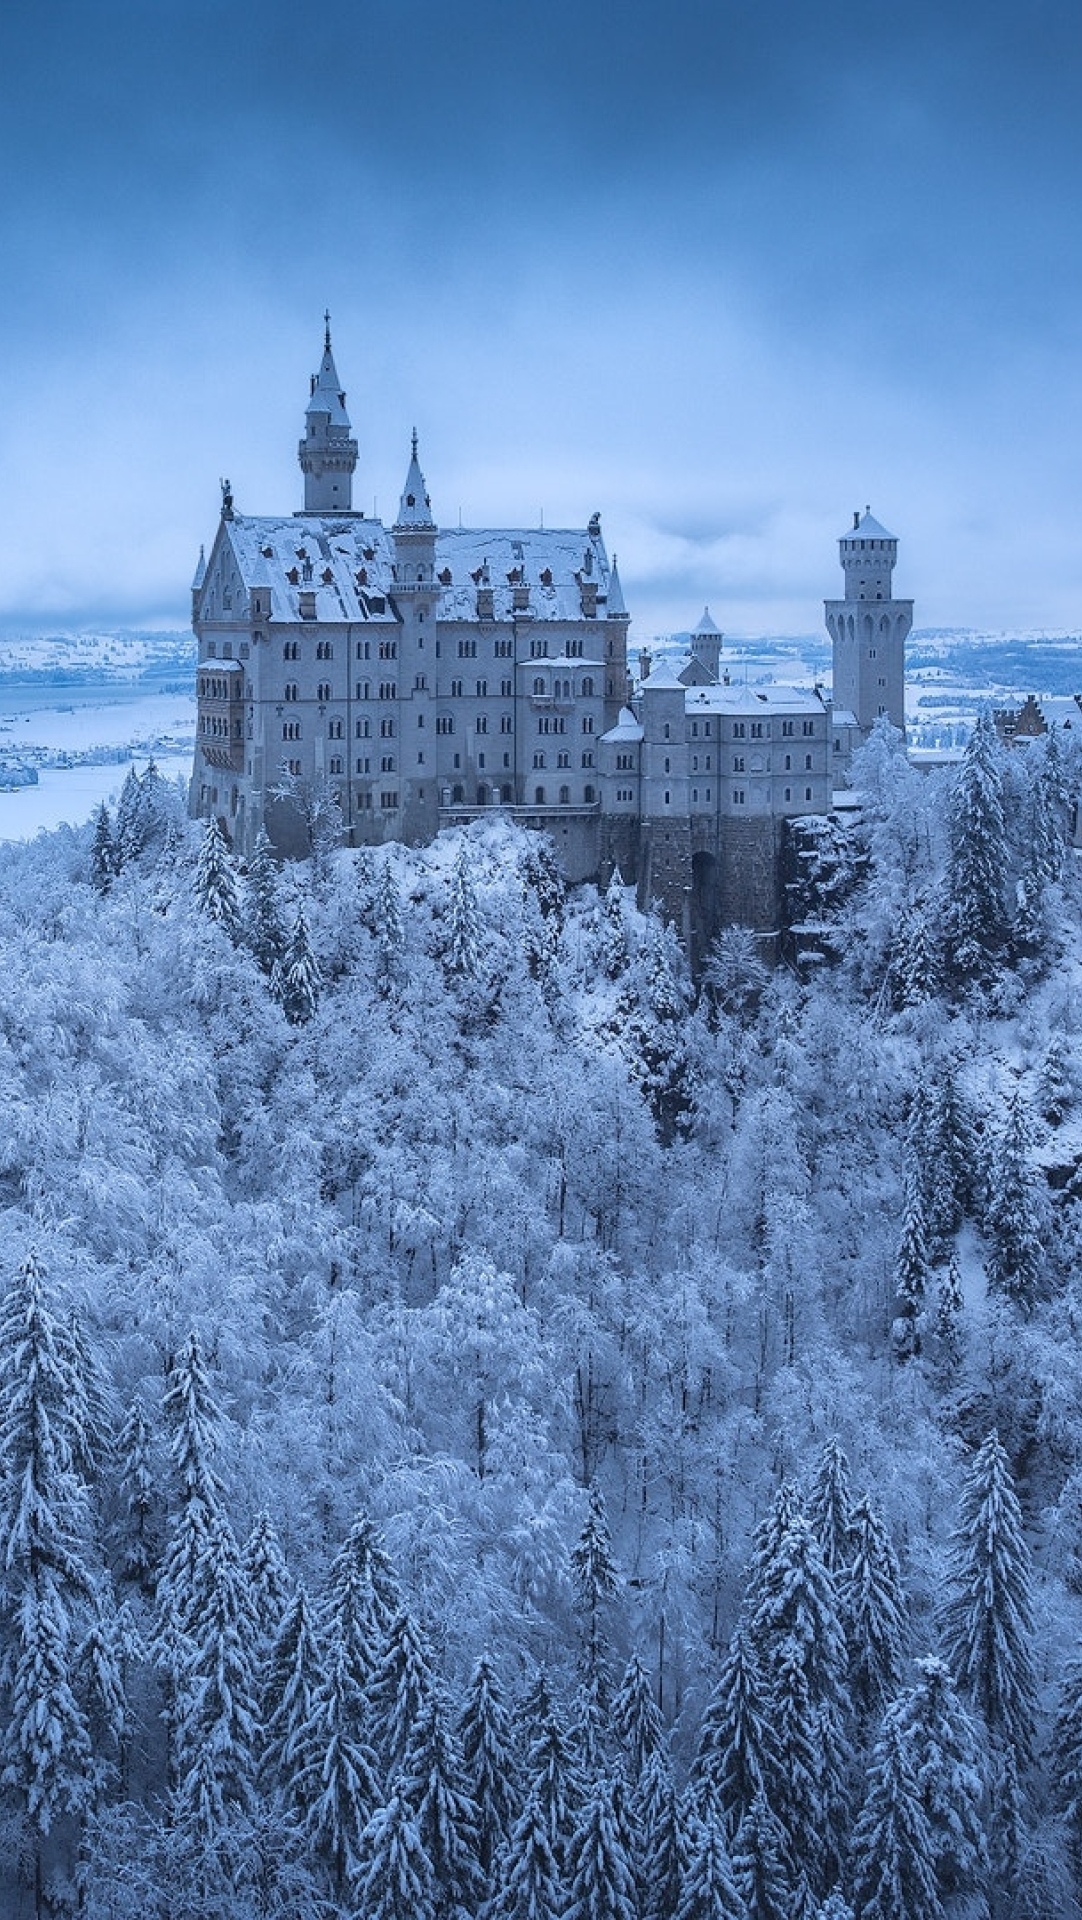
(327,327)
(415,443)
(227,500)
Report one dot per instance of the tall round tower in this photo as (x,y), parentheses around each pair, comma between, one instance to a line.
(328,452)
(869,627)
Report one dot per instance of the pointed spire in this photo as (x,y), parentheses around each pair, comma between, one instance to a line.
(327,395)
(415,507)
(200,571)
(615,607)
(327,453)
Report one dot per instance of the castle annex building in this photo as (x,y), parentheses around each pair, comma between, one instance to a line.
(423,674)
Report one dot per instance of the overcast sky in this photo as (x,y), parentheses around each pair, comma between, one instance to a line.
(723,271)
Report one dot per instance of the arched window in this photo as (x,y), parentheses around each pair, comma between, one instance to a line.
(482,796)
(588,687)
(456,796)
(589,796)
(539,796)
(565,796)
(505,796)
(539,684)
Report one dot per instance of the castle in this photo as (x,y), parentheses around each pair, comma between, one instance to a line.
(423,675)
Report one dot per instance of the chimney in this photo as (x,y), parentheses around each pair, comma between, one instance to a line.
(856,518)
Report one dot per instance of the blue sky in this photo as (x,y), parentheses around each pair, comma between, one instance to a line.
(724,272)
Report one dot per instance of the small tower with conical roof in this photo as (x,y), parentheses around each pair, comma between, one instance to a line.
(416,594)
(328,451)
(869,627)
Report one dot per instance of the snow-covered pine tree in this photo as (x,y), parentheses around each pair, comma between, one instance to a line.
(527,1881)
(874,1612)
(636,1719)
(103,861)
(395,1880)
(614,950)
(214,888)
(401,1688)
(949,1308)
(363,1598)
(389,932)
(785,1509)
(978,864)
(946,1753)
(737,1757)
(911,1270)
(463,918)
(214,1717)
(946,1155)
(490,1761)
(830,1507)
(759,1865)
(336,1779)
(659,1825)
(1066,1758)
(915,964)
(600,1869)
(550,1771)
(131,821)
(893,1852)
(988,1611)
(262,913)
(48,1583)
(266,1578)
(141,1544)
(597,1583)
(1013,1215)
(710,1891)
(432,1779)
(300,976)
(190,1408)
(293,1679)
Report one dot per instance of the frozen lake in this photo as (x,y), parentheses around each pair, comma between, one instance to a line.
(37,721)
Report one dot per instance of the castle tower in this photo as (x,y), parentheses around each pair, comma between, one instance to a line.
(328,452)
(869,627)
(416,592)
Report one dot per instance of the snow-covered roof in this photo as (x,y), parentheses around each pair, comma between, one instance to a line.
(706,624)
(615,601)
(867,528)
(200,571)
(348,563)
(771,698)
(664,678)
(626,728)
(327,395)
(415,507)
(843,717)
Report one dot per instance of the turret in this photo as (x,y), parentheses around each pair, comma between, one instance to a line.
(869,627)
(328,452)
(414,533)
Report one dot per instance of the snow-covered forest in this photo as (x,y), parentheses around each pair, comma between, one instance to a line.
(490,1427)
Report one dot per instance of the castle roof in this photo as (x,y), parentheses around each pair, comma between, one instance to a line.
(327,395)
(626,728)
(348,562)
(751,701)
(415,507)
(663,678)
(706,624)
(867,528)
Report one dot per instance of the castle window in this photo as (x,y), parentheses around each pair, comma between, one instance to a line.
(420,759)
(695,733)
(506,723)
(565,796)
(323,691)
(539,684)
(388,802)
(482,689)
(505,689)
(539,796)
(666,730)
(481,761)
(738,730)
(539,759)
(363,729)
(738,763)
(363,690)
(456,689)
(507,759)
(708,793)
(788,793)
(482,796)
(386,764)
(291,690)
(336,763)
(388,649)
(388,690)
(587,759)
(419,685)
(809,726)
(695,795)
(589,796)
(807,762)
(467,649)
(756,729)
(738,796)
(364,766)
(456,796)
(364,649)
(588,687)
(694,757)
(588,723)
(324,650)
(458,760)
(786,729)
(291,650)
(667,801)
(788,762)
(668,768)
(386,729)
(445,723)
(708,763)
(334,730)
(563,760)
(807,793)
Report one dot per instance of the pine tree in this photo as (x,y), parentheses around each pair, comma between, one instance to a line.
(759,1865)
(490,1762)
(215,1716)
(911,1271)
(597,1584)
(737,1758)
(636,1719)
(190,1406)
(1012,1218)
(946,1756)
(396,1880)
(550,1772)
(710,1891)
(659,1822)
(266,1578)
(262,909)
(988,1616)
(944,1149)
(528,1883)
(294,1680)
(894,1876)
(599,1871)
(830,1507)
(214,888)
(614,954)
(874,1610)
(300,976)
(140,1498)
(978,864)
(915,969)
(362,1602)
(401,1688)
(388,930)
(103,861)
(46,1584)
(784,1511)
(131,821)
(950,1306)
(464,922)
(432,1780)
(1066,1757)
(336,1777)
